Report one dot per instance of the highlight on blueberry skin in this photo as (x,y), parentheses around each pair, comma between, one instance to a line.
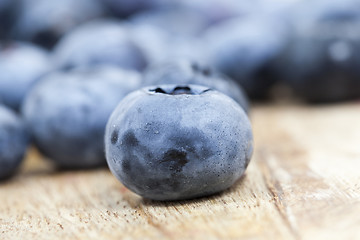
(172,142)
(67,113)
(185,72)
(14,141)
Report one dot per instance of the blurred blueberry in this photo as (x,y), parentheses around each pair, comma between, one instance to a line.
(21,65)
(277,8)
(5,4)
(125,8)
(7,17)
(244,49)
(152,41)
(99,42)
(186,48)
(45,21)
(179,21)
(184,72)
(159,45)
(322,61)
(67,113)
(178,142)
(14,141)
(216,11)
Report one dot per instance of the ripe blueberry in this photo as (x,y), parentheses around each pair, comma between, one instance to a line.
(125,8)
(105,42)
(172,142)
(244,50)
(21,65)
(44,21)
(321,62)
(67,113)
(14,141)
(186,72)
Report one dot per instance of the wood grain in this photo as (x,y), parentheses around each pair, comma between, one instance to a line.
(303,183)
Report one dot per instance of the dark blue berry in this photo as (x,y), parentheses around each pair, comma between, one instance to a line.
(184,72)
(21,65)
(44,21)
(67,113)
(105,42)
(172,142)
(14,141)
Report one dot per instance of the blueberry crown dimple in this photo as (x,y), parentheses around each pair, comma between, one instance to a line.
(178,90)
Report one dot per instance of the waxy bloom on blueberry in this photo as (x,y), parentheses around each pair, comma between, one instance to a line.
(172,142)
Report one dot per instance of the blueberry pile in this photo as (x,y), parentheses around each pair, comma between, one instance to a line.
(159,89)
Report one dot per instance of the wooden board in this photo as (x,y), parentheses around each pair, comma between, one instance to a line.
(303,183)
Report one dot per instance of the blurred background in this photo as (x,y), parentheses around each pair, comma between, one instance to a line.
(307,49)
(65,65)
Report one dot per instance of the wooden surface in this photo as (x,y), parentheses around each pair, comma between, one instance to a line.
(303,183)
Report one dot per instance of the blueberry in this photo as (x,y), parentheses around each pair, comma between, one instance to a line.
(172,142)
(7,17)
(185,72)
(244,48)
(21,65)
(159,46)
(185,48)
(179,21)
(216,11)
(99,42)
(44,21)
(125,8)
(321,62)
(14,141)
(152,41)
(67,113)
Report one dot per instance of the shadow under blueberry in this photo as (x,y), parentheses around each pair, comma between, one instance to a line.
(238,185)
(35,165)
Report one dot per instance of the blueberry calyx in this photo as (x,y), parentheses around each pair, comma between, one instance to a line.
(178,90)
(182,90)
